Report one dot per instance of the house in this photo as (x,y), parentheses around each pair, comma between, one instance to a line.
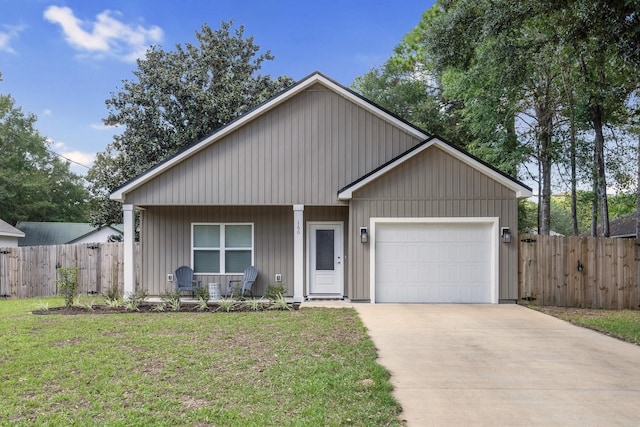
(61,233)
(9,235)
(335,197)
(624,227)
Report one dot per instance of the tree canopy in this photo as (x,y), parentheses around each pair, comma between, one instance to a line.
(177,98)
(524,83)
(35,185)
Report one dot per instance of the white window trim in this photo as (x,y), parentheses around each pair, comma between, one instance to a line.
(222,249)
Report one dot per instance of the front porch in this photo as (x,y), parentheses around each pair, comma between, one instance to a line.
(279,246)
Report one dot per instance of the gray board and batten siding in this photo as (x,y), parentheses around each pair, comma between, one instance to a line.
(169,228)
(434,184)
(300,152)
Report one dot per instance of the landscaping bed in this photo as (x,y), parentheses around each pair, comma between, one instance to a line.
(184,307)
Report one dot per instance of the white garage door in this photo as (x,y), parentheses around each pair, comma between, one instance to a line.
(435,262)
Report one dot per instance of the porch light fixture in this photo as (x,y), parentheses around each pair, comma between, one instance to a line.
(364,235)
(506,234)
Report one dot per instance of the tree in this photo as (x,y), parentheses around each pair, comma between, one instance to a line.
(499,57)
(603,38)
(34,184)
(178,97)
(408,86)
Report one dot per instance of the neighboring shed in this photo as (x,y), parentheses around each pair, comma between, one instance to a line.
(336,197)
(9,235)
(61,233)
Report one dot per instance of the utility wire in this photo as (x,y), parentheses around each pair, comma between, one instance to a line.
(67,159)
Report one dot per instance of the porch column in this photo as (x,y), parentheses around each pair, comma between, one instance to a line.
(129,250)
(298,253)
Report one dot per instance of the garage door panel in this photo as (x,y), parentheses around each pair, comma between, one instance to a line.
(434,262)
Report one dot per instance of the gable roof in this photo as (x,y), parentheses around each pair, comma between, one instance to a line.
(8,230)
(56,233)
(316,77)
(522,191)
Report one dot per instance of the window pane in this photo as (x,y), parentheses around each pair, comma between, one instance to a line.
(237,261)
(206,261)
(206,236)
(238,236)
(324,250)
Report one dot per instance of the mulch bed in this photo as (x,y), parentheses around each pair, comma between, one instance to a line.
(151,308)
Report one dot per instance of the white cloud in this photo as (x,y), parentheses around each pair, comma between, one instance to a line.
(78,158)
(7,34)
(106,35)
(100,126)
(47,112)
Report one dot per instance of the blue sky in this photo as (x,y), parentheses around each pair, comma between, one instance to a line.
(60,60)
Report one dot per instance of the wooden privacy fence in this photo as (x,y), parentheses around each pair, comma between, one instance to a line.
(592,272)
(31,271)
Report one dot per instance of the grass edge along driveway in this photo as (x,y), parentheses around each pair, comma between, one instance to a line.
(315,366)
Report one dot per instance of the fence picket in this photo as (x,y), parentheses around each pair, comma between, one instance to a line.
(31,271)
(580,271)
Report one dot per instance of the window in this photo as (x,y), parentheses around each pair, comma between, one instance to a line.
(221,248)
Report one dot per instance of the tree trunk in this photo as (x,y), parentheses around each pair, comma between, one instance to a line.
(601,179)
(545,123)
(594,202)
(638,197)
(574,185)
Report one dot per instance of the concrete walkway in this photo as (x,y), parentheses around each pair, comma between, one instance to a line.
(502,365)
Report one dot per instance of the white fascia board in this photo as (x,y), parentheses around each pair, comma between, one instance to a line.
(119,194)
(521,191)
(348,193)
(12,234)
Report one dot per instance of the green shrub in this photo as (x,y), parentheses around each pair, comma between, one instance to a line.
(134,300)
(202,293)
(236,293)
(67,282)
(202,304)
(274,292)
(172,300)
(112,297)
(279,304)
(226,304)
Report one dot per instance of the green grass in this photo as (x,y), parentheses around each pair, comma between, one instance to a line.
(622,324)
(309,367)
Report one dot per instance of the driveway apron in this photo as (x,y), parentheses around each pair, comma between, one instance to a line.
(502,365)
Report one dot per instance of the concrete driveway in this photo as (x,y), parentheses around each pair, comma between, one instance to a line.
(502,365)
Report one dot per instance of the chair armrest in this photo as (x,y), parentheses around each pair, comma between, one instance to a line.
(235,281)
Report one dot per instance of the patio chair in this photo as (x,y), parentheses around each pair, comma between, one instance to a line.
(246,283)
(185,282)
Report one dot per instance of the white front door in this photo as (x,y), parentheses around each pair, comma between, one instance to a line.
(325,259)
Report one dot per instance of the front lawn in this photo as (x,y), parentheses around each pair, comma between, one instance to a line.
(622,324)
(309,367)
